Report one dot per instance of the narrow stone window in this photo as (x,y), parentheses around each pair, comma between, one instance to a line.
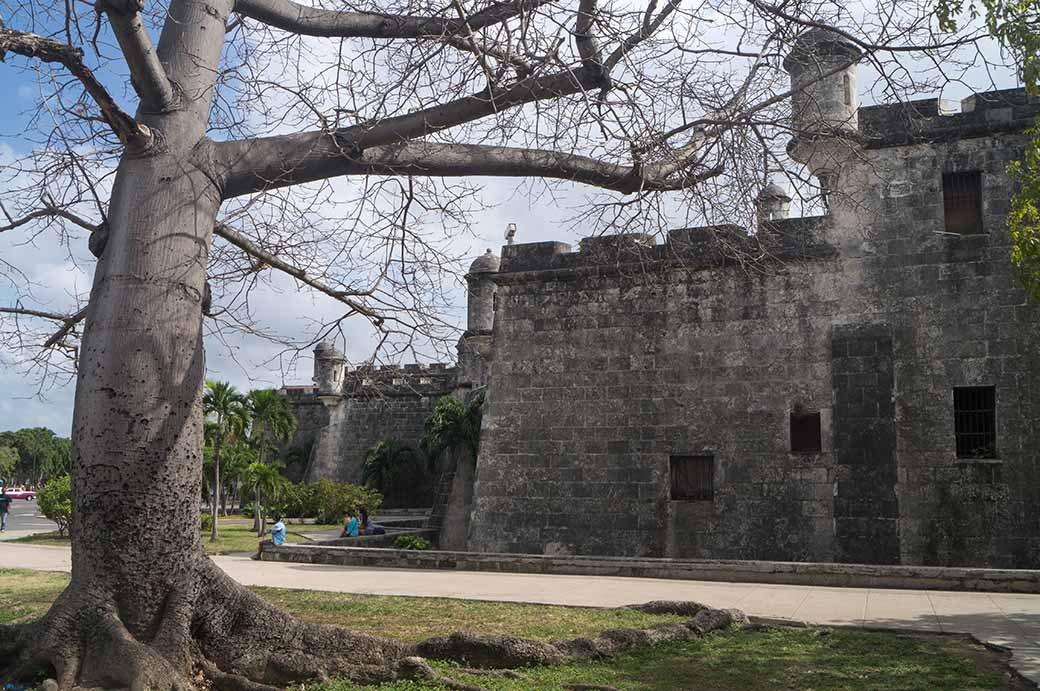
(847,84)
(805,432)
(692,478)
(962,202)
(975,421)
(425,380)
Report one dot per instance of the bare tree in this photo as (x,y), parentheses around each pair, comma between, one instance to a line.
(336,143)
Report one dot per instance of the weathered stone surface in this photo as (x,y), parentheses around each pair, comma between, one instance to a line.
(605,367)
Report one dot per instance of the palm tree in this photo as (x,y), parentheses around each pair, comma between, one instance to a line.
(389,462)
(453,425)
(273,419)
(233,464)
(226,408)
(265,481)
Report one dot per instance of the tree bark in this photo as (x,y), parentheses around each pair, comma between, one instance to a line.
(216,481)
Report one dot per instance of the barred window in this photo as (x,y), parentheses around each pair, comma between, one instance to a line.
(962,202)
(693,478)
(975,421)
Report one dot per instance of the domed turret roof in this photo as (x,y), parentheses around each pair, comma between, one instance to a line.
(327,349)
(773,191)
(485,263)
(817,43)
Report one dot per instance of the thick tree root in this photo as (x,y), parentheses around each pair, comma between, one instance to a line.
(491,652)
(219,635)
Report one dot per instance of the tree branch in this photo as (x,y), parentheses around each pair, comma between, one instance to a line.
(68,321)
(244,244)
(312,21)
(147,74)
(131,133)
(49,210)
(317,155)
(251,165)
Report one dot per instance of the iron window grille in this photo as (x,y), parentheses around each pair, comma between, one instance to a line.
(962,202)
(692,478)
(975,421)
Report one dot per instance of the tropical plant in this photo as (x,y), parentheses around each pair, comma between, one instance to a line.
(272,419)
(398,471)
(411,542)
(55,501)
(226,408)
(266,481)
(453,425)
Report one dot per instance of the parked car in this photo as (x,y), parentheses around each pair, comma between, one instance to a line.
(20,493)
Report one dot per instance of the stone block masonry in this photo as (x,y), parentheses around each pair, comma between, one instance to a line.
(642,396)
(375,404)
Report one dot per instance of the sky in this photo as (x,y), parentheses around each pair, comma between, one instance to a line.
(58,272)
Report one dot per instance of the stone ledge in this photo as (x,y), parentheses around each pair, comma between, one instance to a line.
(791,573)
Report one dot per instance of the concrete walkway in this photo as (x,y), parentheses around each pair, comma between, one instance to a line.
(1009,620)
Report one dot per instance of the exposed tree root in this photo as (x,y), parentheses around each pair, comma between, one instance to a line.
(219,635)
(418,668)
(491,652)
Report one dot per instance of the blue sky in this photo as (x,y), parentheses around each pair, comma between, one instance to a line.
(243,360)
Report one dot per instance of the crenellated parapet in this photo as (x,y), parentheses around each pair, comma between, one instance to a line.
(414,380)
(707,247)
(934,120)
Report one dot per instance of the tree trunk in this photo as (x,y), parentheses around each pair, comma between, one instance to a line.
(146,608)
(215,495)
(256,509)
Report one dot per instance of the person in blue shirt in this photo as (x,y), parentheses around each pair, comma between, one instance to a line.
(351,526)
(278,531)
(277,536)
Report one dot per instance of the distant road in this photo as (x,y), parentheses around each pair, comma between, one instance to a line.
(23,520)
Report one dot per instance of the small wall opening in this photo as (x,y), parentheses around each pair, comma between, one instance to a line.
(805,432)
(962,202)
(692,478)
(847,84)
(975,421)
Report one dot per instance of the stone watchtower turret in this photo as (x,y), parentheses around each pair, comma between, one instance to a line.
(824,107)
(774,203)
(475,346)
(330,367)
(480,311)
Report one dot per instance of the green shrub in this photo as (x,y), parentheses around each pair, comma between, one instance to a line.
(411,542)
(325,501)
(206,522)
(55,501)
(248,510)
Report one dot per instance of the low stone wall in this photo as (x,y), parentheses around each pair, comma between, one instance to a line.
(794,573)
(375,541)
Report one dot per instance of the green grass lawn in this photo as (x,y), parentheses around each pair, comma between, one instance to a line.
(780,658)
(234,537)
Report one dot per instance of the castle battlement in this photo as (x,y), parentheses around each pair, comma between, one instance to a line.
(703,247)
(932,119)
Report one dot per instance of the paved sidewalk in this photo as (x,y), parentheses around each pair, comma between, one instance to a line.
(1010,620)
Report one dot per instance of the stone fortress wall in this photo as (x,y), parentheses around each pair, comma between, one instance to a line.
(785,394)
(349,410)
(614,363)
(373,404)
